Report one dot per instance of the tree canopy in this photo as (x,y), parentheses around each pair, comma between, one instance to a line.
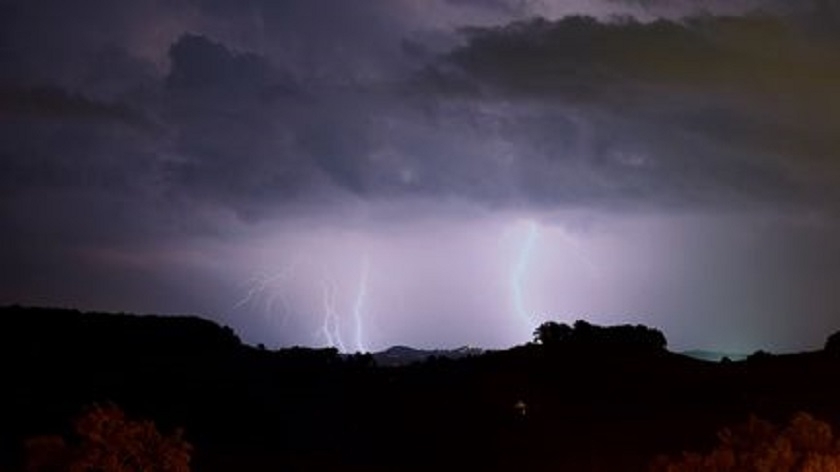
(583,335)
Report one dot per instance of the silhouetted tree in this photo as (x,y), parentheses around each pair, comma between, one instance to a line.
(804,445)
(107,441)
(759,356)
(832,344)
(552,333)
(584,335)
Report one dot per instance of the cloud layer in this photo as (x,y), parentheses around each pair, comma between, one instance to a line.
(145,146)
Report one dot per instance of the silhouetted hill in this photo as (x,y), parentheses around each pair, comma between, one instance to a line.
(532,407)
(70,330)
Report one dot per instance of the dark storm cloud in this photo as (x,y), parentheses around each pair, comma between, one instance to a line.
(588,59)
(229,113)
(259,106)
(511,7)
(52,43)
(184,108)
(58,104)
(815,9)
(705,109)
(200,66)
(145,147)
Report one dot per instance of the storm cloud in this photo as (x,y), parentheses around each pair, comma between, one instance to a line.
(719,106)
(236,158)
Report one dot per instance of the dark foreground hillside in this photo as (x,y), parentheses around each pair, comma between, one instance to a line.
(577,403)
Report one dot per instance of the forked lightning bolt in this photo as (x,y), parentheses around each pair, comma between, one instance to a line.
(263,294)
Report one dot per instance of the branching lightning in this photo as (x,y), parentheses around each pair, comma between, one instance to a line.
(520,269)
(328,292)
(331,326)
(263,294)
(342,311)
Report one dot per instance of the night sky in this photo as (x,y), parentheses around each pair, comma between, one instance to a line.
(434,173)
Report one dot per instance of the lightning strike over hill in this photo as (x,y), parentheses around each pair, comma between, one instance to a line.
(518,276)
(331,328)
(358,306)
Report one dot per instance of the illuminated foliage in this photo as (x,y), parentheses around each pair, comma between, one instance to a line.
(804,445)
(107,441)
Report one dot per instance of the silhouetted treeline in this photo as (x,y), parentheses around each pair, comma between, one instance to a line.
(533,407)
(55,330)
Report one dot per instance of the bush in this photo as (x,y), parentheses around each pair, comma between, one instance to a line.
(105,440)
(804,445)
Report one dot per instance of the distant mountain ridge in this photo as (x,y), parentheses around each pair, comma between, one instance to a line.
(403,355)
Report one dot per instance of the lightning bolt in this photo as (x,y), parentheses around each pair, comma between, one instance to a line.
(330,328)
(263,294)
(520,268)
(358,305)
(256,286)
